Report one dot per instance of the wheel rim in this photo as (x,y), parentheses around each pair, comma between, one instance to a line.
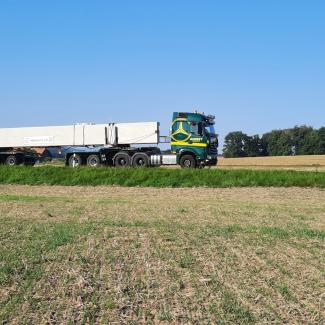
(122,162)
(141,162)
(75,161)
(187,163)
(93,162)
(11,161)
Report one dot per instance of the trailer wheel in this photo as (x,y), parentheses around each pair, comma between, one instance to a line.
(75,161)
(11,160)
(187,161)
(93,161)
(122,159)
(140,160)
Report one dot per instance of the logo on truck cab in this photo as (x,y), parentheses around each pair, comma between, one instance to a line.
(181,130)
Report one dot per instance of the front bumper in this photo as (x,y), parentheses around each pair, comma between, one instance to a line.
(210,161)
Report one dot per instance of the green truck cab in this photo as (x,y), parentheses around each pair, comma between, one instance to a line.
(193,140)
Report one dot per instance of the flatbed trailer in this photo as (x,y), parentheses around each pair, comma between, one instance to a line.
(193,143)
(12,158)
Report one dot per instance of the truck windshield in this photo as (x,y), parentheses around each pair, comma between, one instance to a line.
(210,129)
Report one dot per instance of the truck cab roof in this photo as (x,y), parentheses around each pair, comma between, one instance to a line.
(195,117)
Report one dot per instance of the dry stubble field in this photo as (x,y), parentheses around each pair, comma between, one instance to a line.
(303,163)
(111,255)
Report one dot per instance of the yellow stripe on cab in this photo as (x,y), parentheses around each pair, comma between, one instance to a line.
(182,143)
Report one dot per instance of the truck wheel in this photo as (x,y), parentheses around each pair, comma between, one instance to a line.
(122,159)
(11,161)
(140,160)
(187,161)
(93,161)
(75,161)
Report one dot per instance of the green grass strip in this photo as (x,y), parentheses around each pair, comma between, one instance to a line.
(159,177)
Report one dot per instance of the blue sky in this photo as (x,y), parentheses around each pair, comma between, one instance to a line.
(256,65)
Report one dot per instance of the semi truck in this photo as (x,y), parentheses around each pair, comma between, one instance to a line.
(194,143)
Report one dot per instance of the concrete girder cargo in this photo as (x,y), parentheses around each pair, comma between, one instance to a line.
(81,135)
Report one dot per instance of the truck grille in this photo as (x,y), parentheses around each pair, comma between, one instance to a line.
(213,149)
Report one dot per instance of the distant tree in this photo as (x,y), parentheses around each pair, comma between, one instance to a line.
(300,140)
(320,148)
(285,144)
(304,140)
(254,146)
(263,147)
(278,143)
(311,143)
(234,145)
(270,139)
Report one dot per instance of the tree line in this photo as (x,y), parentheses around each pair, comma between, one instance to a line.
(300,140)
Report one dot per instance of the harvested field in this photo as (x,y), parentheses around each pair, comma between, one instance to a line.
(304,163)
(112,255)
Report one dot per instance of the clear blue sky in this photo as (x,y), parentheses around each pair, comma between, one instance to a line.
(256,65)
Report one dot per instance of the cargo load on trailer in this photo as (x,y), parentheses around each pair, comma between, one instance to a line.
(81,135)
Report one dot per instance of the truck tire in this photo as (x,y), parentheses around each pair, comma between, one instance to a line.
(187,161)
(93,161)
(11,160)
(76,159)
(140,160)
(122,159)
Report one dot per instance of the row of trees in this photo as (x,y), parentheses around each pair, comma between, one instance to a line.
(300,140)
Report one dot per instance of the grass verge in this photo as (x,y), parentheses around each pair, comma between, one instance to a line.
(160,177)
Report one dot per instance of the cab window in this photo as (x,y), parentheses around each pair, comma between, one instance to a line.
(196,128)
